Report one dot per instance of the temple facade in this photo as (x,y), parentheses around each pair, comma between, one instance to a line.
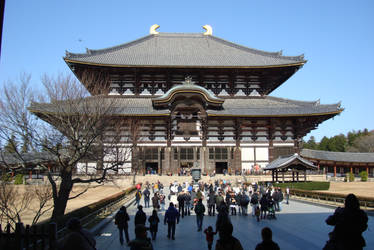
(204,101)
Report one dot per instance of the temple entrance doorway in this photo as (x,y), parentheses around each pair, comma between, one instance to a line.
(186,164)
(151,167)
(220,167)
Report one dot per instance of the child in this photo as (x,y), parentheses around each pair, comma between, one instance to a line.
(257,213)
(209,236)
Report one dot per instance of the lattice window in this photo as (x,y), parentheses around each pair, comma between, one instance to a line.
(151,154)
(186,153)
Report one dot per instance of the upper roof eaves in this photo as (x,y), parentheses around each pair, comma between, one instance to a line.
(182,50)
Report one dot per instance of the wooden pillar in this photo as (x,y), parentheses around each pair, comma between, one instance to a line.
(334,169)
(271,150)
(367,169)
(318,166)
(305,175)
(283,176)
(297,176)
(175,169)
(296,145)
(293,176)
(237,159)
(166,167)
(276,175)
(272,175)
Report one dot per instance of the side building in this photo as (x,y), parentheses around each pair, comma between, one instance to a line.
(204,101)
(338,164)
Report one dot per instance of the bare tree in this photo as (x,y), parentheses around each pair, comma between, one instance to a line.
(72,127)
(363,144)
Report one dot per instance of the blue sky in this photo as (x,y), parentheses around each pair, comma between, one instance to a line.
(337,38)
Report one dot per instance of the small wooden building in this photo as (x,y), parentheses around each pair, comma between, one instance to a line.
(290,168)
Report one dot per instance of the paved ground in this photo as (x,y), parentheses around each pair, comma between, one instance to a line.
(102,191)
(298,226)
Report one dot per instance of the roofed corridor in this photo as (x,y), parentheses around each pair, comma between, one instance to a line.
(298,226)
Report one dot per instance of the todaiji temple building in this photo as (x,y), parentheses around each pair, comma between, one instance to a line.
(204,101)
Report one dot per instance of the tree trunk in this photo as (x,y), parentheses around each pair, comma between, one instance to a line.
(62,198)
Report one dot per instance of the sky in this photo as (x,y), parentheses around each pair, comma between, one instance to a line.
(336,37)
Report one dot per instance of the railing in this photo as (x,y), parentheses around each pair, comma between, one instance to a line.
(35,237)
(330,199)
(93,218)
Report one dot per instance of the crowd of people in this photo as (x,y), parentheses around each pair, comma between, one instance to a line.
(222,198)
(225,200)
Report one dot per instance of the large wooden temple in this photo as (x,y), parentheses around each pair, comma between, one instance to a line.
(204,100)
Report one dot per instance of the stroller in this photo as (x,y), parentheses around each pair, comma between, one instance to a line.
(271,211)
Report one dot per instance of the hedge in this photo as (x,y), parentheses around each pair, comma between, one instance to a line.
(364,200)
(314,185)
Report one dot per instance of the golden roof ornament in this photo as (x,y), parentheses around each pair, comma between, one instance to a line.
(188,81)
(209,30)
(153,29)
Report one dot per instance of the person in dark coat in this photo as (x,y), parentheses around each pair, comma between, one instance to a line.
(226,240)
(276,198)
(121,220)
(172,218)
(199,211)
(350,222)
(155,201)
(140,216)
(153,224)
(141,242)
(78,238)
(267,242)
(187,203)
(146,194)
(264,202)
(244,201)
(222,217)
(180,200)
(211,202)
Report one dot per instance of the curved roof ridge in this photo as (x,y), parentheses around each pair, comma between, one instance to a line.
(109,49)
(309,103)
(277,54)
(191,87)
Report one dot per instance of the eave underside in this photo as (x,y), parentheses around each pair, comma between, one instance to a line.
(166,128)
(233,81)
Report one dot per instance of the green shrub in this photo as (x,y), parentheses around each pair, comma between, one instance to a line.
(350,177)
(312,185)
(364,176)
(18,180)
(6,177)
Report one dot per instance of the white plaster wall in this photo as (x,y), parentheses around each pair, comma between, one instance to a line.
(248,154)
(262,154)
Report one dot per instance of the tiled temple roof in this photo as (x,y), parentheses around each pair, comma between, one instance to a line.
(182,50)
(338,156)
(257,107)
(286,161)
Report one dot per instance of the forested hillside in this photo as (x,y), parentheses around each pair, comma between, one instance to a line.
(354,141)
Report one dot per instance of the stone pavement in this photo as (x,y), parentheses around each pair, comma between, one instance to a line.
(298,226)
